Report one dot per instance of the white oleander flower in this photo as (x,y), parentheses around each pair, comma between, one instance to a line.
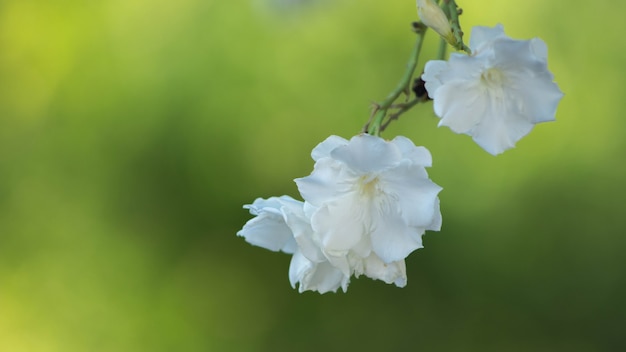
(496,94)
(280,224)
(370,201)
(433,16)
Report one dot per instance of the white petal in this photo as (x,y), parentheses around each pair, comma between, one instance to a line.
(394,272)
(461,105)
(303,234)
(269,232)
(363,248)
(437,220)
(418,155)
(298,267)
(534,95)
(392,239)
(309,209)
(321,277)
(341,262)
(531,83)
(324,182)
(323,149)
(539,48)
(290,246)
(432,70)
(327,278)
(271,205)
(309,247)
(483,35)
(366,153)
(268,229)
(464,68)
(340,224)
(517,56)
(498,133)
(414,194)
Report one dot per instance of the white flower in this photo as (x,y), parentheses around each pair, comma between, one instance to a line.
(497,94)
(268,229)
(370,201)
(280,224)
(433,16)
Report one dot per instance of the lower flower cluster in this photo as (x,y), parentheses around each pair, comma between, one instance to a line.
(366,205)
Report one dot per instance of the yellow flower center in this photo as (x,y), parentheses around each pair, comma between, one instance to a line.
(492,77)
(368,185)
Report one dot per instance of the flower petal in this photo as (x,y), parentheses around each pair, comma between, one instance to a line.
(461,106)
(306,239)
(394,272)
(321,277)
(517,56)
(437,219)
(269,232)
(419,155)
(539,48)
(339,224)
(536,96)
(366,153)
(392,239)
(327,278)
(323,183)
(414,194)
(323,149)
(498,133)
(482,35)
(432,70)
(298,267)
(268,229)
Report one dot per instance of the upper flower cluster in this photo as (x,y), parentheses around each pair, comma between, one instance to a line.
(367,204)
(496,94)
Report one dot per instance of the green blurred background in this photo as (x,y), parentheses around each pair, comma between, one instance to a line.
(133,131)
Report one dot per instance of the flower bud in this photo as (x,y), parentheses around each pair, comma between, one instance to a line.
(433,16)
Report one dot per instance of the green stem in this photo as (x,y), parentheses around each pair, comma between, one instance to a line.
(441,52)
(402,109)
(381,108)
(454,12)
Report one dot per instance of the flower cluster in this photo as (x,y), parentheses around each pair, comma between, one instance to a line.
(367,204)
(369,201)
(496,94)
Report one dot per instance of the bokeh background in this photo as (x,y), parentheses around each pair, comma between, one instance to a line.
(133,131)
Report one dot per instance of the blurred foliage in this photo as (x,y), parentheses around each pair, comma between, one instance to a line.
(132,132)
